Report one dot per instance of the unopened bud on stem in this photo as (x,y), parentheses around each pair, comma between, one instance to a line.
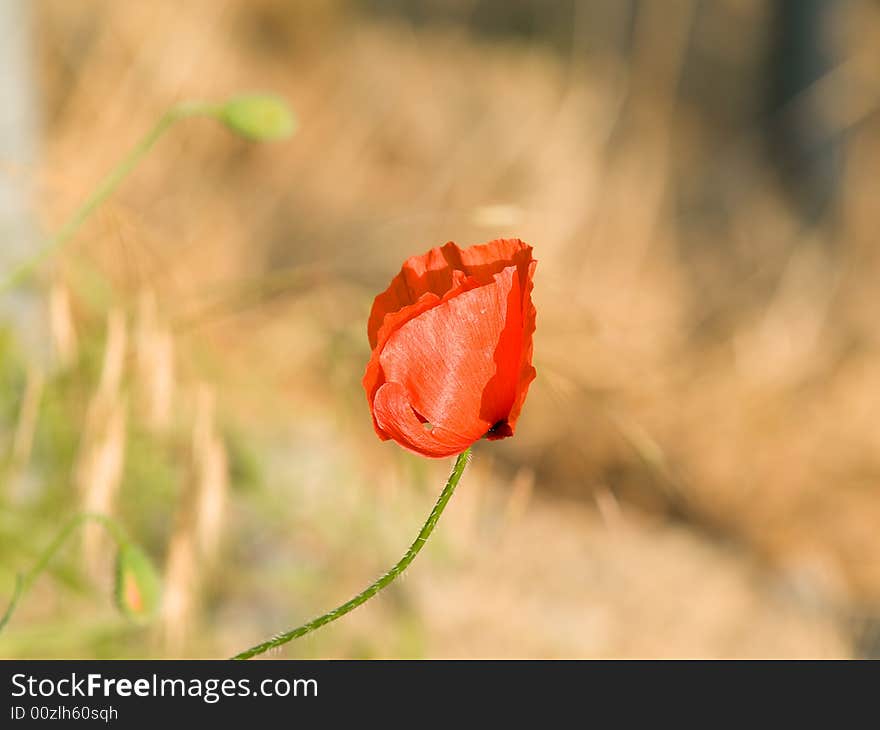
(259,117)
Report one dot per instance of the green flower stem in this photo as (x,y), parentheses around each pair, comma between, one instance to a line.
(24,582)
(108,185)
(384,581)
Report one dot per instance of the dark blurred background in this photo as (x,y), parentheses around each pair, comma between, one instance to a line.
(696,472)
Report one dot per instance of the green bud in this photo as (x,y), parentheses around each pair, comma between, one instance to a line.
(259,117)
(137,584)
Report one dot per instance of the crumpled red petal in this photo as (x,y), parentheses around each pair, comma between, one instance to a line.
(394,413)
(527,372)
(452,347)
(434,272)
(458,364)
(374,376)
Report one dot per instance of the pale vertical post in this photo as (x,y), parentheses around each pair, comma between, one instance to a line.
(19,140)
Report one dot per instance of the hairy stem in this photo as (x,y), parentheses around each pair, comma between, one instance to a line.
(378,585)
(24,582)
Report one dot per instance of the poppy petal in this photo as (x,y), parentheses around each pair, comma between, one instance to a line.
(527,371)
(440,269)
(374,376)
(460,361)
(396,418)
(419,275)
(451,342)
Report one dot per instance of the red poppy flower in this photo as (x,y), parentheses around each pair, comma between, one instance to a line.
(452,347)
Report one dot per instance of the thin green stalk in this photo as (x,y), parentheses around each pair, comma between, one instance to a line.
(108,185)
(24,582)
(384,581)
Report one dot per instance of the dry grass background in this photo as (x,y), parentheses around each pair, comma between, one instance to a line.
(697,471)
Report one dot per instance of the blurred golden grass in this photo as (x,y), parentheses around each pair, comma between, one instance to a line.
(696,472)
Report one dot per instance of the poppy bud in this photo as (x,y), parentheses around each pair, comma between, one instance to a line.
(258,117)
(451,342)
(137,585)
